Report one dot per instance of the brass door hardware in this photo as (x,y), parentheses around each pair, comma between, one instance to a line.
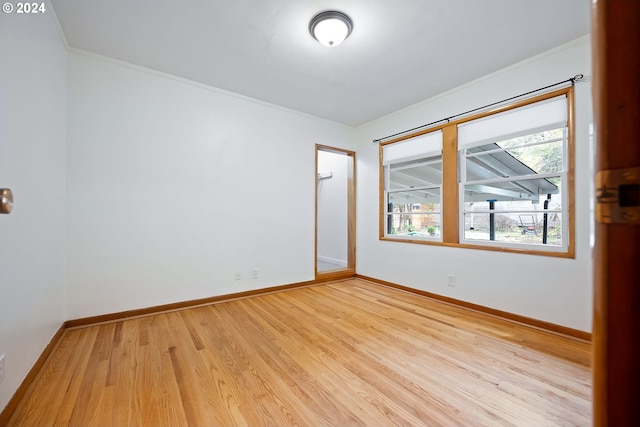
(618,196)
(6,200)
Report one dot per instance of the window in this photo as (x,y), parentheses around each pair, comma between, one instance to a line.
(513,169)
(500,180)
(412,172)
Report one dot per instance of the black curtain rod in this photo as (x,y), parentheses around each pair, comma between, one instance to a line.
(572,80)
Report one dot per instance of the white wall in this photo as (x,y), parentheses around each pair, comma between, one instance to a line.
(333,207)
(173,186)
(545,288)
(32,163)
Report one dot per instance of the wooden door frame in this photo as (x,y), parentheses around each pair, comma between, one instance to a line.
(616,321)
(350,270)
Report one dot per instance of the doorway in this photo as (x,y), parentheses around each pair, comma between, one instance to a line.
(335,213)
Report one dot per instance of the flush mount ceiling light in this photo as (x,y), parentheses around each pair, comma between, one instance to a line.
(330,28)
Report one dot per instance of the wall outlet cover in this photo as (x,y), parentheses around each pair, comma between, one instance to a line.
(451,280)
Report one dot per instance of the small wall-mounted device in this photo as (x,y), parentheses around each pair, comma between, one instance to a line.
(6,200)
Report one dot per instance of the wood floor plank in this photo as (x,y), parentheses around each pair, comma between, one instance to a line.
(303,361)
(372,349)
(274,371)
(283,365)
(59,385)
(345,353)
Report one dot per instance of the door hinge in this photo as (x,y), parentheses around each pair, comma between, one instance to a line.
(617,198)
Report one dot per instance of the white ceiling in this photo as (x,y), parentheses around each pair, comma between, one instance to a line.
(400,51)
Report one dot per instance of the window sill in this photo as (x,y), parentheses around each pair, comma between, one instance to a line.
(569,253)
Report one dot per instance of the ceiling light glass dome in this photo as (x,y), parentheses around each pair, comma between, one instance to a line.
(330,28)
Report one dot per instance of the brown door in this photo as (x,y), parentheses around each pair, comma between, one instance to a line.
(616,328)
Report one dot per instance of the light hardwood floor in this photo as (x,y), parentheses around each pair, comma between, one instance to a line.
(338,354)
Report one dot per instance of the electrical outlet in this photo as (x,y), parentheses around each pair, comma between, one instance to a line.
(2,372)
(254,273)
(238,275)
(451,280)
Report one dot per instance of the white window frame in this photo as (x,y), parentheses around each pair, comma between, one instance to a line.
(422,146)
(463,155)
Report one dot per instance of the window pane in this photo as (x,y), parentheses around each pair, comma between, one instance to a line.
(515,221)
(424,172)
(515,227)
(414,200)
(540,153)
(531,191)
(412,187)
(417,225)
(555,203)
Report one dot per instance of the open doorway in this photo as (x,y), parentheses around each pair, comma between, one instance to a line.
(335,212)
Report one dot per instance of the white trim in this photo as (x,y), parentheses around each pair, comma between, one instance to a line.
(414,237)
(52,12)
(514,178)
(522,246)
(340,262)
(161,74)
(415,213)
(418,188)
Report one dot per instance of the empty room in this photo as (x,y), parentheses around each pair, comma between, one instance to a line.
(280,212)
